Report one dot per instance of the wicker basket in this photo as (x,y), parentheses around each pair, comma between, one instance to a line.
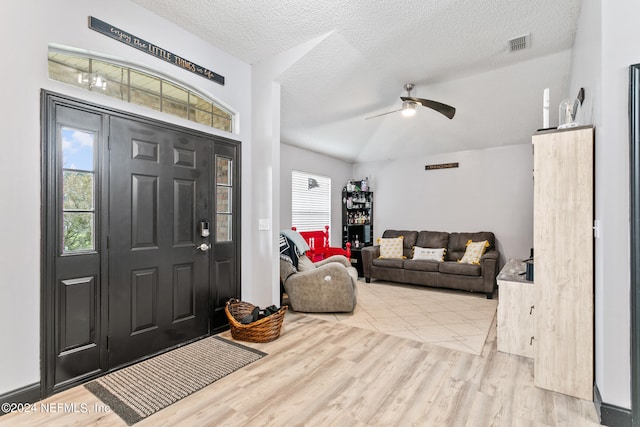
(262,330)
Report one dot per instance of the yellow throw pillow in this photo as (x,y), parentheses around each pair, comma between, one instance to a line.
(391,247)
(474,252)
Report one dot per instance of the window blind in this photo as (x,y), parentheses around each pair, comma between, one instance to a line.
(310,201)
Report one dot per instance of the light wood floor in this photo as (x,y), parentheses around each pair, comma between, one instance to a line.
(321,373)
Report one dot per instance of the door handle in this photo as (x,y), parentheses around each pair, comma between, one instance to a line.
(203,247)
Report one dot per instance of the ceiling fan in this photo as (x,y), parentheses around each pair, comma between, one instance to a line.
(410,103)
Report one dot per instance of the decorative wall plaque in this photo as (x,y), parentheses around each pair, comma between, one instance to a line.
(153,50)
(441,166)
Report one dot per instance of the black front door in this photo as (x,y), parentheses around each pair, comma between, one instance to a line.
(159,260)
(140,248)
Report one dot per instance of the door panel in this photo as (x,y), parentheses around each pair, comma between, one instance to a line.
(77,314)
(159,281)
(183,292)
(144,212)
(184,212)
(144,300)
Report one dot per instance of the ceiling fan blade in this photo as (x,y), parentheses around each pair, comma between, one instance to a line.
(441,108)
(383,114)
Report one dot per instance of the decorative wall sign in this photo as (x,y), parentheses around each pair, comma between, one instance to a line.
(441,166)
(153,50)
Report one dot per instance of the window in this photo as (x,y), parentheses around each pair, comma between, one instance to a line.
(224,194)
(310,201)
(137,87)
(78,188)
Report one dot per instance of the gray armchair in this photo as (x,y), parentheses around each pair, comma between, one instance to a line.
(326,286)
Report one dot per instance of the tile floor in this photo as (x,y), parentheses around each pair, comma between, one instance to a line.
(453,319)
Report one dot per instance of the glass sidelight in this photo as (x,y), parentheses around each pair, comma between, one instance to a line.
(78,190)
(224,197)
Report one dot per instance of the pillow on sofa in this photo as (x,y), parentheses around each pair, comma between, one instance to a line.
(305,264)
(430,254)
(474,252)
(391,247)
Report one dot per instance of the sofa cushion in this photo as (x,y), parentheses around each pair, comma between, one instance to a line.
(451,267)
(387,262)
(391,247)
(409,239)
(432,254)
(474,252)
(421,265)
(432,239)
(458,243)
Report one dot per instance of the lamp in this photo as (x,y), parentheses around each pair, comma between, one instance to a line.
(408,108)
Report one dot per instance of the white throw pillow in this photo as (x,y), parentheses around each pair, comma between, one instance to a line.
(305,264)
(430,254)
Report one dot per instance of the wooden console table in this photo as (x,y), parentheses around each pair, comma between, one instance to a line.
(516,326)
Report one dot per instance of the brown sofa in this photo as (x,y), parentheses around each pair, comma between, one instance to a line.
(448,274)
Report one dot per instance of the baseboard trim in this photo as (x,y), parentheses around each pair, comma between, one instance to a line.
(27,394)
(610,415)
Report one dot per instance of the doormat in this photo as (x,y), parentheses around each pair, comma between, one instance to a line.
(140,390)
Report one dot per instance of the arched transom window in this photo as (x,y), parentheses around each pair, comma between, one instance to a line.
(138,87)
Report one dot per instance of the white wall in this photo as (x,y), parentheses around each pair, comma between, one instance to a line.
(619,27)
(492,190)
(602,54)
(265,171)
(293,158)
(266,96)
(27,27)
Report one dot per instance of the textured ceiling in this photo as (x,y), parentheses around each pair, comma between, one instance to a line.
(455,51)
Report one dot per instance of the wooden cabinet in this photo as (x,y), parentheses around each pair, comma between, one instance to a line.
(563,245)
(515,310)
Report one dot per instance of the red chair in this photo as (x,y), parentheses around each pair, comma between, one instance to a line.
(318,241)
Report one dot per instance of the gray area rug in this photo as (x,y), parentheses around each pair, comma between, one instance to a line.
(137,391)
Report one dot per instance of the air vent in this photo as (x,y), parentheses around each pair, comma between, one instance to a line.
(519,43)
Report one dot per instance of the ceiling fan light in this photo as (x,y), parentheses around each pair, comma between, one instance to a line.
(408,108)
